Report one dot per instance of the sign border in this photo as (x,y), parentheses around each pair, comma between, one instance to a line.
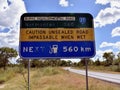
(46,14)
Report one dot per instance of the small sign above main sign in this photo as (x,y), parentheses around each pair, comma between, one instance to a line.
(57,35)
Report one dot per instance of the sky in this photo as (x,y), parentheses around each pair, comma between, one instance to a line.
(106,14)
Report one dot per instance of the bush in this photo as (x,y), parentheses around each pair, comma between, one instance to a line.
(115,68)
(47,71)
(50,71)
(6,75)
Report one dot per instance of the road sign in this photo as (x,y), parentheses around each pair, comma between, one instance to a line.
(57,35)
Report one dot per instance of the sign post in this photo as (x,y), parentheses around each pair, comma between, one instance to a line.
(28,74)
(86,64)
(56,35)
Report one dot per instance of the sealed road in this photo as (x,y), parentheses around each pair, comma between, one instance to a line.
(114,78)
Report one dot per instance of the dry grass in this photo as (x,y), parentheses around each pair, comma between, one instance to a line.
(57,79)
(65,80)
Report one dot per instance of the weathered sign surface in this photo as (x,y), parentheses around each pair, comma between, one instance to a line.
(57,35)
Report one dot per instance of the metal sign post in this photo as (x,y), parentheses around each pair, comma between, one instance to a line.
(28,74)
(86,64)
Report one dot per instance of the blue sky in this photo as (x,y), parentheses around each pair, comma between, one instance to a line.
(106,15)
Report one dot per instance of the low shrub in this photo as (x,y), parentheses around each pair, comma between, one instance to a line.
(6,75)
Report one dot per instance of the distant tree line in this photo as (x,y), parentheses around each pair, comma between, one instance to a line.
(7,53)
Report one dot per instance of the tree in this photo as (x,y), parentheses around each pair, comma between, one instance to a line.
(63,63)
(118,61)
(69,63)
(35,63)
(23,62)
(82,62)
(109,56)
(5,54)
(97,62)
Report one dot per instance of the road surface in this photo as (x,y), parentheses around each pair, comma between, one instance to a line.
(114,78)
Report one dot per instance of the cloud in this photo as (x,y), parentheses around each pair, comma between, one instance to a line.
(113,45)
(73,60)
(103,2)
(116,32)
(106,44)
(113,3)
(3,5)
(10,39)
(99,54)
(10,12)
(64,3)
(10,15)
(108,15)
